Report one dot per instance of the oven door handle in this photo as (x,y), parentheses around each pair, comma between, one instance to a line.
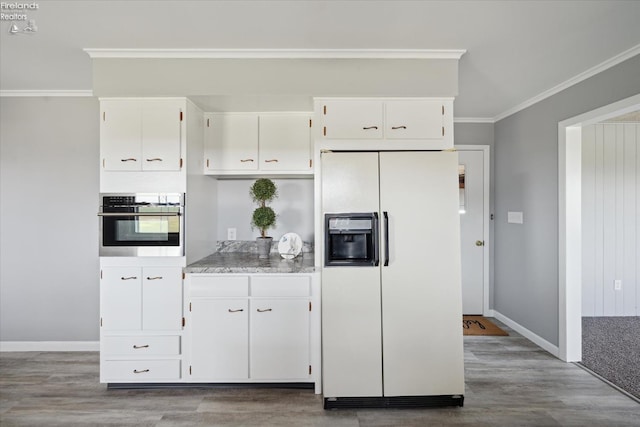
(139,214)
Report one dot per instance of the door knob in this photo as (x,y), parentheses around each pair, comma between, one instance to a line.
(479,243)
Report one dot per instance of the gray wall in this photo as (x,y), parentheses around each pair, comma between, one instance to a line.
(49,288)
(293,207)
(526,179)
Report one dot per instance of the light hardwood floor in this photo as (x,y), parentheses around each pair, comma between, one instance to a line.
(509,382)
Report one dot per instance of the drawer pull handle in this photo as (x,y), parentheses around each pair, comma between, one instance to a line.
(261,310)
(246,160)
(135,371)
(398,127)
(128,278)
(271,161)
(155,159)
(140,346)
(130,159)
(369,127)
(236,310)
(155,278)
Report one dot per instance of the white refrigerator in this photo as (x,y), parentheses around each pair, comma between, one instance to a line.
(392,334)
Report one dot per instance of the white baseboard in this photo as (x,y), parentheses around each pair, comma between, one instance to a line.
(49,346)
(536,339)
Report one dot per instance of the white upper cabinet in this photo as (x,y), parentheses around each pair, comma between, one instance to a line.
(414,120)
(231,141)
(284,142)
(353,119)
(395,123)
(255,143)
(138,135)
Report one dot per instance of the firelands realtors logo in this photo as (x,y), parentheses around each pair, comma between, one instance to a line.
(18,15)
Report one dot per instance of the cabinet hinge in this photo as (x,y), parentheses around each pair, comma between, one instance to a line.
(309,305)
(442,130)
(183,322)
(310,123)
(324,131)
(180,162)
(309,369)
(324,110)
(180,115)
(443,110)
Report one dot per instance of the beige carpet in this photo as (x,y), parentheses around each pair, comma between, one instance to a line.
(480,325)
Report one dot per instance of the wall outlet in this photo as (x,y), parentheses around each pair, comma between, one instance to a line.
(617,285)
(231,234)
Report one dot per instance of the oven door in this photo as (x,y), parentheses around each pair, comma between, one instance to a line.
(141,231)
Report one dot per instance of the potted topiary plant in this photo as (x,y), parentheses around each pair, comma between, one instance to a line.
(262,191)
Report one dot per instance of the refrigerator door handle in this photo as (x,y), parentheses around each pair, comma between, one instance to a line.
(376,243)
(386,238)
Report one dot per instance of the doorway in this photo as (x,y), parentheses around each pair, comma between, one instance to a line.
(570,223)
(474,227)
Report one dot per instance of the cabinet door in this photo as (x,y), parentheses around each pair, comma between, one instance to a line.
(414,120)
(352,119)
(162,298)
(121,136)
(279,339)
(219,339)
(121,298)
(231,142)
(161,132)
(285,142)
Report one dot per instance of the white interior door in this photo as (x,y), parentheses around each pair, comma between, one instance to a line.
(472,239)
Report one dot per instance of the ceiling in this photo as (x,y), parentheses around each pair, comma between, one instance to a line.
(515,50)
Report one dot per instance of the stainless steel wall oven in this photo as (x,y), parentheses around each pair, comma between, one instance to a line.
(141,224)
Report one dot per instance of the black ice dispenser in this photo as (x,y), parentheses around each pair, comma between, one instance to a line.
(351,239)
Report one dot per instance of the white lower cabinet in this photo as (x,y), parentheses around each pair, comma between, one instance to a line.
(219,338)
(141,324)
(279,339)
(250,328)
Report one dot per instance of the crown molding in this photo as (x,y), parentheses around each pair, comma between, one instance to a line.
(627,54)
(46,93)
(277,53)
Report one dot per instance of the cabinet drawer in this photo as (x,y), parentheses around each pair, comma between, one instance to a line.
(141,345)
(280,286)
(140,370)
(233,286)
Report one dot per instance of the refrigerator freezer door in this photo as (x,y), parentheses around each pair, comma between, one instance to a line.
(421,291)
(351,318)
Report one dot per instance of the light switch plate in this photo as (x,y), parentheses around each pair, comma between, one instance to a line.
(515,217)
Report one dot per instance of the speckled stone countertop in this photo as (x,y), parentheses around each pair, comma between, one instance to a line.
(242,257)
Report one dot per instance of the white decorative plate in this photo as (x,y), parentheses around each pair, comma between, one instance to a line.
(290,245)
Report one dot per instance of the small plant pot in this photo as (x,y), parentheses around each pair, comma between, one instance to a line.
(264,246)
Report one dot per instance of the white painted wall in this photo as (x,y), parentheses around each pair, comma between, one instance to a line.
(293,207)
(611,219)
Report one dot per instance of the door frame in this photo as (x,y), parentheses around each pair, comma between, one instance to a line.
(486,157)
(570,223)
